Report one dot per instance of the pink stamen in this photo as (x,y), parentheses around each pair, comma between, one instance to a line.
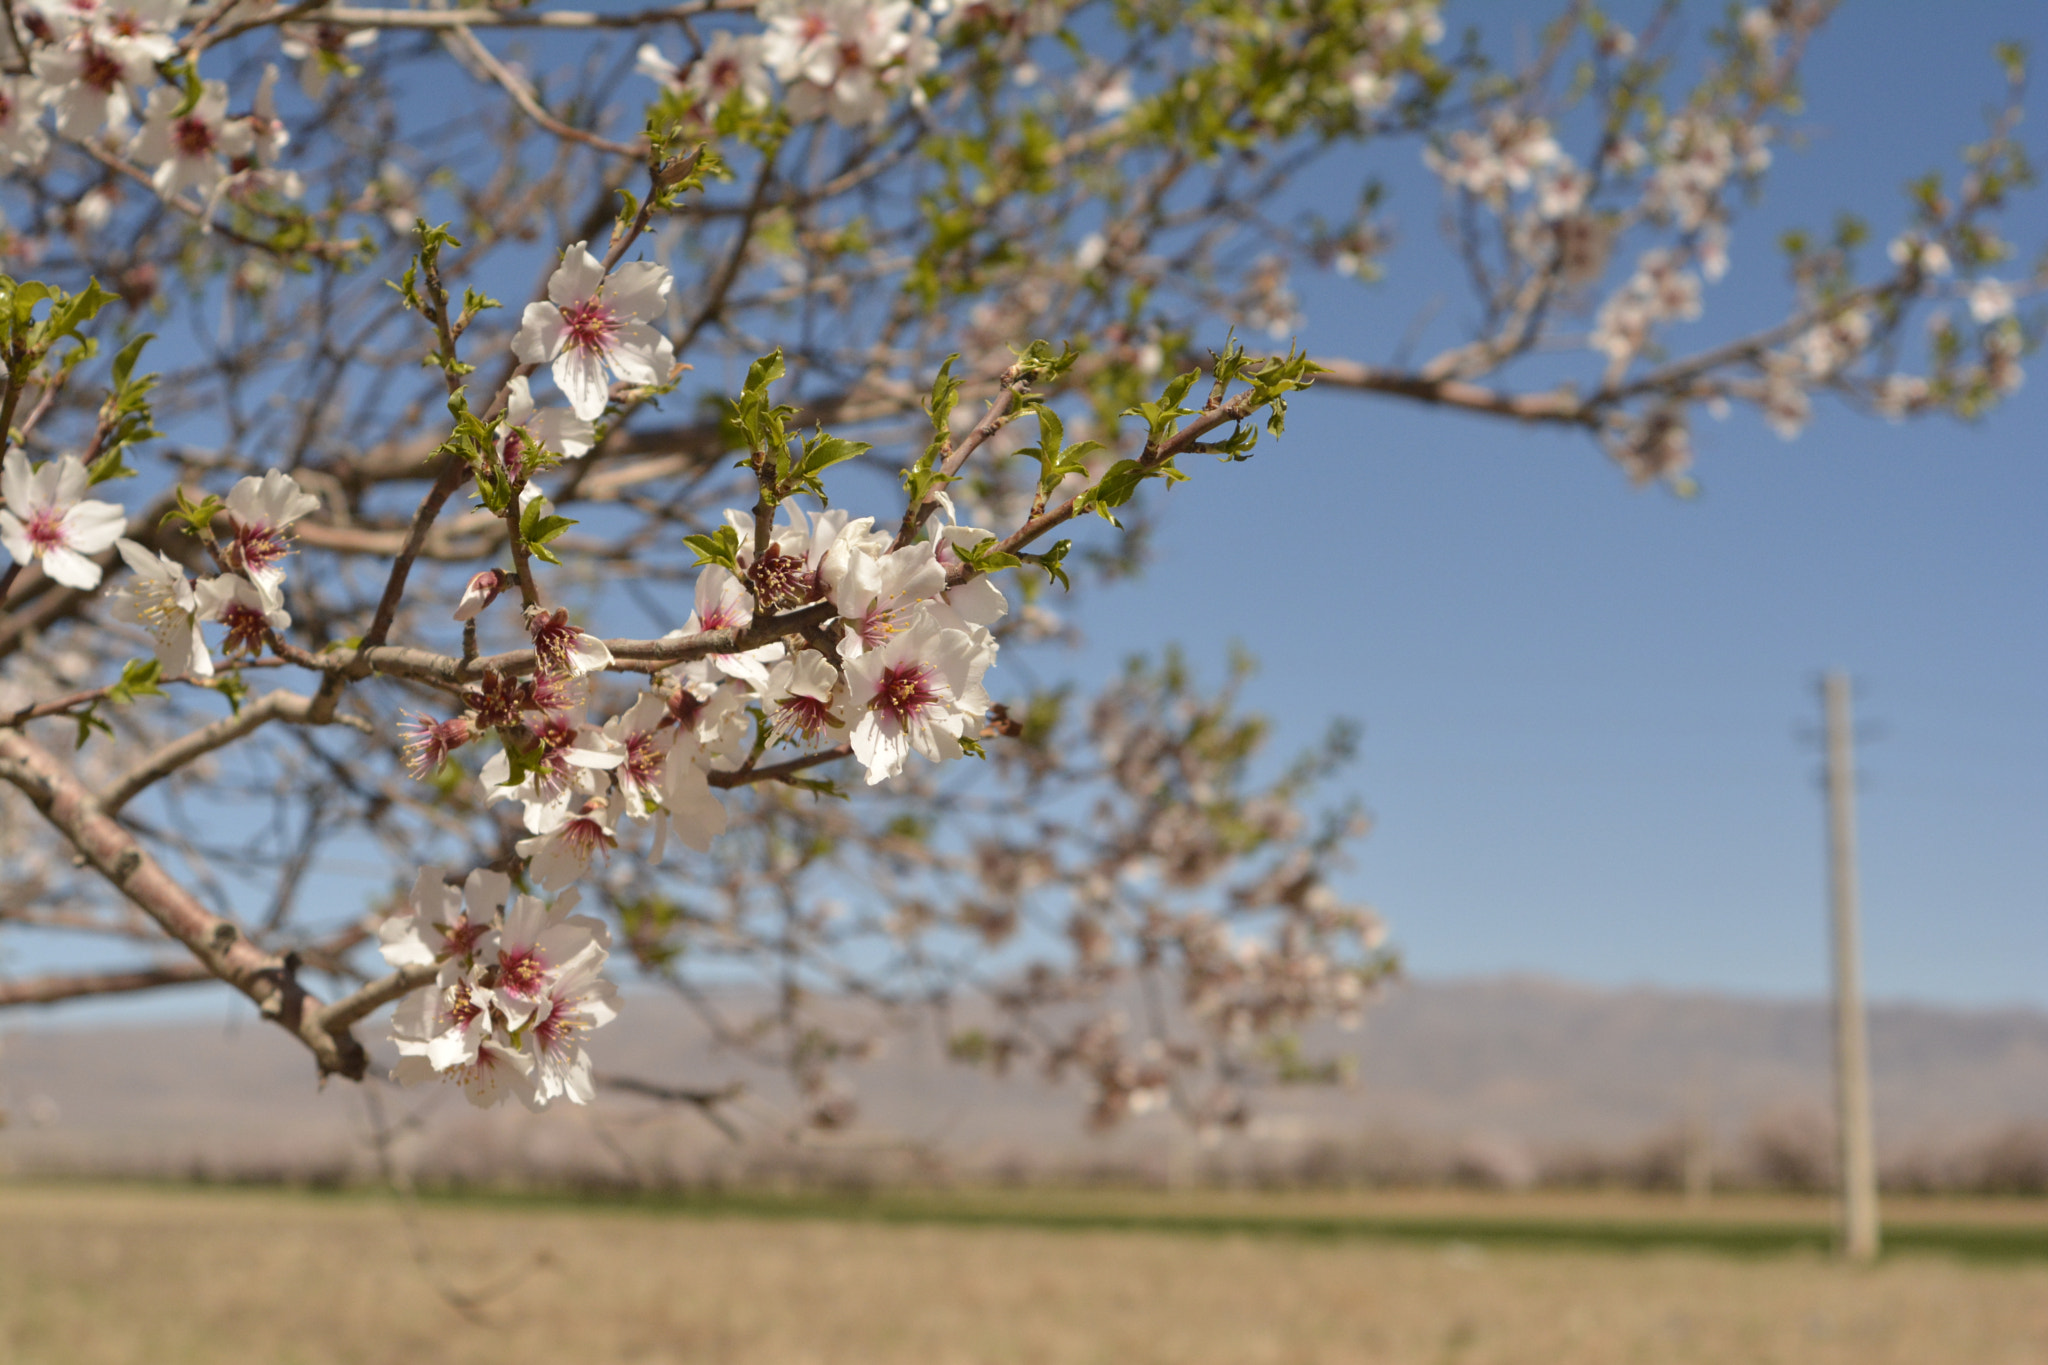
(98,69)
(591,325)
(644,761)
(522,973)
(45,531)
(799,715)
(906,691)
(193,136)
(256,547)
(246,628)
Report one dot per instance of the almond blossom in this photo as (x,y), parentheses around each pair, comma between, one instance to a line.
(566,757)
(592,323)
(481,590)
(909,694)
(722,603)
(847,58)
(48,517)
(1990,300)
(645,743)
(571,1002)
(170,606)
(92,75)
(448,1024)
(517,987)
(805,698)
(251,613)
(262,511)
(443,921)
(564,840)
(187,149)
(563,648)
(879,595)
(732,64)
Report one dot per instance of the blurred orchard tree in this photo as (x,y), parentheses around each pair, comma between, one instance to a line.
(322,554)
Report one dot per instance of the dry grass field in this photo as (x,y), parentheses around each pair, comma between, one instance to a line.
(97,1275)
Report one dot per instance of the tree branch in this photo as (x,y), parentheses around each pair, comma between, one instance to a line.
(278,705)
(218,944)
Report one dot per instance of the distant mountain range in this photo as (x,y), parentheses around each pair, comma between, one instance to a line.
(1510,1063)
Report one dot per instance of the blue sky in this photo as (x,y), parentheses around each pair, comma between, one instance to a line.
(1583,703)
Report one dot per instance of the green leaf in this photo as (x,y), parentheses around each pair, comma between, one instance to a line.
(89,721)
(125,358)
(139,678)
(1051,560)
(197,516)
(523,755)
(232,686)
(722,547)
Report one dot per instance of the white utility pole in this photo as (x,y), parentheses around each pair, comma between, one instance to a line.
(1859,1236)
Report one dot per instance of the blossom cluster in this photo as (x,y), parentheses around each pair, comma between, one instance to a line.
(847,60)
(48,518)
(517,984)
(894,669)
(247,599)
(902,675)
(95,64)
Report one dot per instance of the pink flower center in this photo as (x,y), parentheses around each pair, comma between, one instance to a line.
(683,709)
(462,936)
(798,714)
(557,1033)
(907,691)
(585,836)
(428,742)
(877,624)
(246,626)
(45,530)
(522,972)
(98,69)
(644,762)
(193,136)
(591,325)
(723,615)
(258,546)
(554,640)
(463,1009)
(782,579)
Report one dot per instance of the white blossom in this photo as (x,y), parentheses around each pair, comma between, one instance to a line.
(262,511)
(914,693)
(1990,300)
(732,63)
(48,517)
(592,323)
(170,606)
(565,839)
(442,921)
(556,429)
(187,149)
